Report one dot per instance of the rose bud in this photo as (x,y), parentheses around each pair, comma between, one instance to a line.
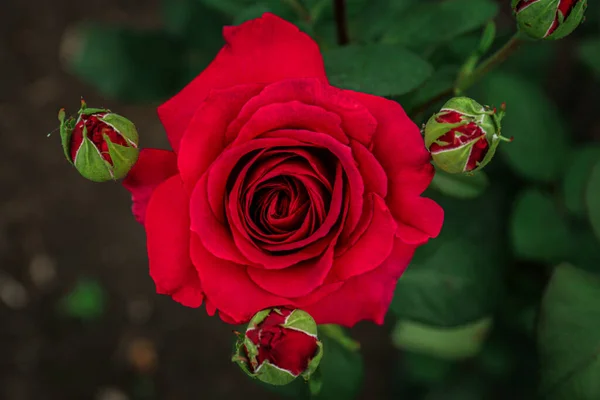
(100,144)
(464,135)
(549,19)
(279,345)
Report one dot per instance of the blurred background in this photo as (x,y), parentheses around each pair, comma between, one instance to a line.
(79,317)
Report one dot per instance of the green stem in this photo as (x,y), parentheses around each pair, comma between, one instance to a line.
(489,64)
(465,82)
(339,11)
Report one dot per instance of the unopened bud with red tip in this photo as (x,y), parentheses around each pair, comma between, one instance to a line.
(549,19)
(464,135)
(279,345)
(102,145)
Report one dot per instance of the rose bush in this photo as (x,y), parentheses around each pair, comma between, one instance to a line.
(282,190)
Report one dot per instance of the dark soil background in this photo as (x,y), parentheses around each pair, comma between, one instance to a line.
(57,228)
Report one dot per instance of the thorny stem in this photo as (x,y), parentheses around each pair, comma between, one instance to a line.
(483,69)
(339,8)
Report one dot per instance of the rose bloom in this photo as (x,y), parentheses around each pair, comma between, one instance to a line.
(282,190)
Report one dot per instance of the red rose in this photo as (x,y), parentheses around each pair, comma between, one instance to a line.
(282,190)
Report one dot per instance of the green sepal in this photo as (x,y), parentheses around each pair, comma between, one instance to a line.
(435,130)
(66,132)
(454,161)
(84,110)
(239,356)
(91,111)
(123,126)
(269,373)
(464,105)
(536,19)
(314,363)
(123,158)
(315,384)
(301,321)
(258,318)
(566,26)
(90,163)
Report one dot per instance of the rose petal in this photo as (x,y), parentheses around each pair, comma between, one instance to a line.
(356,121)
(333,216)
(204,138)
(214,234)
(265,50)
(153,167)
(344,155)
(228,286)
(168,238)
(399,148)
(220,171)
(420,219)
(372,248)
(374,176)
(398,145)
(298,280)
(294,115)
(364,297)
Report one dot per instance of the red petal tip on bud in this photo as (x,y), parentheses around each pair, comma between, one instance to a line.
(503,106)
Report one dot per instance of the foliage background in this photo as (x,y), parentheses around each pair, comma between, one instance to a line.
(78,315)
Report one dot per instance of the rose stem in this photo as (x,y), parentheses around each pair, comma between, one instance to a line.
(339,7)
(490,63)
(484,68)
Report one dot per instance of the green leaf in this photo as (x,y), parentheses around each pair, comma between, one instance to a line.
(342,372)
(592,198)
(118,62)
(539,151)
(569,343)
(254,11)
(424,369)
(496,358)
(460,185)
(382,70)
(442,79)
(537,230)
(340,335)
(439,22)
(447,343)
(457,278)
(374,18)
(469,387)
(576,178)
(589,53)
